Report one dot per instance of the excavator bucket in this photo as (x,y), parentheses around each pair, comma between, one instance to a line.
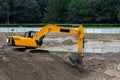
(76,60)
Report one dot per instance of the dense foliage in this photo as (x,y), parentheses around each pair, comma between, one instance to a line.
(59,11)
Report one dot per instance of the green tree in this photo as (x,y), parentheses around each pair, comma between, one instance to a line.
(4,11)
(55,11)
(26,11)
(78,11)
(42,5)
(59,11)
(118,16)
(105,11)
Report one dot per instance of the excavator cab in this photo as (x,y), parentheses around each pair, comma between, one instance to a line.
(30,34)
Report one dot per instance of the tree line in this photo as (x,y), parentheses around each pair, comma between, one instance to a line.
(59,11)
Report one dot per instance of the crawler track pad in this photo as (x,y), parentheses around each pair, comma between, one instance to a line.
(31,50)
(19,49)
(39,51)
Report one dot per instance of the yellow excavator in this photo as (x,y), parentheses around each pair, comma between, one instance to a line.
(33,40)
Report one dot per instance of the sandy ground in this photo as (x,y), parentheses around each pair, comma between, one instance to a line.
(107,43)
(66,42)
(39,66)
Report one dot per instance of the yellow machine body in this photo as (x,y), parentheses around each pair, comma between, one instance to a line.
(36,40)
(23,42)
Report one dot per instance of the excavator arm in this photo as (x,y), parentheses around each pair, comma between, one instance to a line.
(55,28)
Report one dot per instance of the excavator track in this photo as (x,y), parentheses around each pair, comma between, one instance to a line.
(31,50)
(37,51)
(19,49)
(23,49)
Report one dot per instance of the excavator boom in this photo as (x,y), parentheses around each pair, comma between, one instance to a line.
(56,28)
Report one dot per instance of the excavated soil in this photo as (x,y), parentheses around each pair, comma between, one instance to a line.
(43,66)
(27,66)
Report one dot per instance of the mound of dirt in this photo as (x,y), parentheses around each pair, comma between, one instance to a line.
(69,41)
(37,66)
(41,66)
(27,66)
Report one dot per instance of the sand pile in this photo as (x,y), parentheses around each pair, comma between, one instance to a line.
(42,66)
(27,66)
